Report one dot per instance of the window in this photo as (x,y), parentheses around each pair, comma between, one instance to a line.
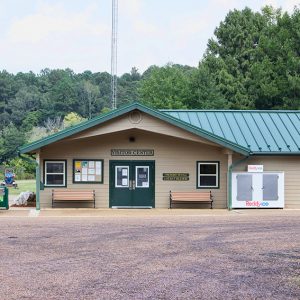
(208,174)
(142,176)
(122,176)
(55,173)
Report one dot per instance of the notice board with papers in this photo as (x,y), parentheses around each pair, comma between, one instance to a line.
(88,171)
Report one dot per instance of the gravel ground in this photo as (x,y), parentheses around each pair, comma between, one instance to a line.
(174,257)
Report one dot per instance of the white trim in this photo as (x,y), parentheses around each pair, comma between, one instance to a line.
(142,187)
(208,175)
(116,177)
(64,172)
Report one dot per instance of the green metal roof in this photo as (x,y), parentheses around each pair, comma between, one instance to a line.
(123,110)
(262,132)
(246,132)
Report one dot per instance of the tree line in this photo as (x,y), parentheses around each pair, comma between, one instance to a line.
(251,62)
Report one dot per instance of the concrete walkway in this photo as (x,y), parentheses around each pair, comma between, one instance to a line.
(102,213)
(11,199)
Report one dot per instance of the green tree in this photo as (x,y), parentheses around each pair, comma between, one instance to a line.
(10,139)
(89,94)
(72,119)
(254,58)
(234,50)
(127,88)
(165,87)
(205,94)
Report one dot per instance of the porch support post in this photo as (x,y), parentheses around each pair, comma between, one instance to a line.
(37,180)
(229,164)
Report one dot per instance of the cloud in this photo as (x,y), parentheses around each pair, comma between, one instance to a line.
(286,5)
(225,4)
(51,19)
(289,5)
(273,3)
(56,37)
(131,8)
(133,13)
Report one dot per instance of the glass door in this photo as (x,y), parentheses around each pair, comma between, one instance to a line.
(143,194)
(120,189)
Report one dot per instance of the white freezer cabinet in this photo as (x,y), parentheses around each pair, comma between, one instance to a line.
(258,190)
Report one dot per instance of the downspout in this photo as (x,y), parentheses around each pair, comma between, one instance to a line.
(230,169)
(37,178)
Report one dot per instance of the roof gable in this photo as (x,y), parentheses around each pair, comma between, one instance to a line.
(123,110)
(140,121)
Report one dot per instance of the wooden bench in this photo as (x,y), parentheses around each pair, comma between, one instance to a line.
(67,195)
(192,197)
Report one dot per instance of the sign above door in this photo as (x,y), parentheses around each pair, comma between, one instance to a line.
(132,152)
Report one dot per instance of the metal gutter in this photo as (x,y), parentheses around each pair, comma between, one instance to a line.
(275,153)
(233,110)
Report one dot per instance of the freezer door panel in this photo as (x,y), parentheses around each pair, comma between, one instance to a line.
(270,187)
(244,187)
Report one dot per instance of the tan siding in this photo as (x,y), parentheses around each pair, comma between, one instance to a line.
(147,123)
(171,155)
(290,165)
(175,151)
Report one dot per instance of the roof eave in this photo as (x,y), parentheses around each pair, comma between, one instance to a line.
(276,153)
(73,130)
(113,114)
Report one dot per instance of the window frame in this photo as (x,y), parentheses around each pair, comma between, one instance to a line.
(116,185)
(217,175)
(136,179)
(64,161)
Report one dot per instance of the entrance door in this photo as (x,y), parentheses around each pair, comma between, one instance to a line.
(131,184)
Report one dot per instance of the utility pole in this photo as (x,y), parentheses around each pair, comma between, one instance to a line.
(114,54)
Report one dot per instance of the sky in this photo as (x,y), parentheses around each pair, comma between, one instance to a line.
(76,34)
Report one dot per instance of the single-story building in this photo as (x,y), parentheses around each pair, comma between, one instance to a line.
(135,155)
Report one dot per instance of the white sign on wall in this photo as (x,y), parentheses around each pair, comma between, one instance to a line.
(255,168)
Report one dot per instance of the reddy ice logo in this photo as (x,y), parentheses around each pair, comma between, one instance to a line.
(256,204)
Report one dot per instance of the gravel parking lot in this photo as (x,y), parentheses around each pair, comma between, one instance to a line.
(234,256)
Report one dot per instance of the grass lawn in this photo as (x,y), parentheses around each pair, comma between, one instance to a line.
(23,186)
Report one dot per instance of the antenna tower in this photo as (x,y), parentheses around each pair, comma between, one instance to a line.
(114,52)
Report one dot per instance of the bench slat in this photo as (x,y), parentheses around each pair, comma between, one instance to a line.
(73,195)
(70,198)
(193,197)
(191,200)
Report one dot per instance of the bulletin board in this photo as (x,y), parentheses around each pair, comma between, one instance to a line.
(87,170)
